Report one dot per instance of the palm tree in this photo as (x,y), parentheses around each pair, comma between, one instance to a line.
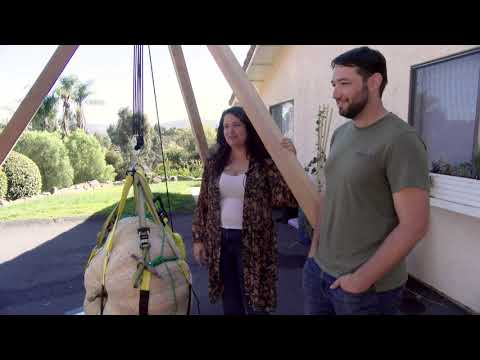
(80,94)
(44,118)
(65,91)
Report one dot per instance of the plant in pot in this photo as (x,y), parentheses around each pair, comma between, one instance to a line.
(315,168)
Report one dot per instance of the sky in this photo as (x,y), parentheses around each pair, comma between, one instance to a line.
(109,67)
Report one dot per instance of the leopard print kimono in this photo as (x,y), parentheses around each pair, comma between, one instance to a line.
(264,188)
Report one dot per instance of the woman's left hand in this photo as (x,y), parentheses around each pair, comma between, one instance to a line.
(288,144)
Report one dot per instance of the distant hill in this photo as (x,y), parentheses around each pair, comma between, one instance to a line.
(179,124)
(182,124)
(101,128)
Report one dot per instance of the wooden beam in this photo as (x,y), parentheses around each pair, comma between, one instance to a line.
(287,163)
(189,99)
(32,101)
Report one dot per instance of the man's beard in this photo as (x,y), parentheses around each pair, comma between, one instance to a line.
(356,107)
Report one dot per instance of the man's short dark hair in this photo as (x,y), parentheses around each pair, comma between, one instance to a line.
(367,61)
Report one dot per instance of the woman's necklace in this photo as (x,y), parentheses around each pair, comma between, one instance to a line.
(238,168)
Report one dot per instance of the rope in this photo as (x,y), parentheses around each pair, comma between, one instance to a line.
(172,287)
(192,291)
(161,142)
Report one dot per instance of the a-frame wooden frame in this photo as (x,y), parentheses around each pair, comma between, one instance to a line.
(289,167)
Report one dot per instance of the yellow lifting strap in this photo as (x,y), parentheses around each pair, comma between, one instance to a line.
(121,208)
(115,216)
(146,280)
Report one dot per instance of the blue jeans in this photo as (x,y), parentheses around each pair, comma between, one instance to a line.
(304,238)
(231,272)
(321,300)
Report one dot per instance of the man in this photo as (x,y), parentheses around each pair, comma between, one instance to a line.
(376,204)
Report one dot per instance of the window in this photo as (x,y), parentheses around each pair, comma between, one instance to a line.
(444,108)
(283,115)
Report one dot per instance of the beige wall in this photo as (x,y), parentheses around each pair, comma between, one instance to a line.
(448,258)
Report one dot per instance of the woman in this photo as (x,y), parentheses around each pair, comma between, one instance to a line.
(233,230)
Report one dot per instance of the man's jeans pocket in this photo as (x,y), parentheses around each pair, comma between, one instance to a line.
(347,303)
(311,275)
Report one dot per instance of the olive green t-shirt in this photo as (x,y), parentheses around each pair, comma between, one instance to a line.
(364,168)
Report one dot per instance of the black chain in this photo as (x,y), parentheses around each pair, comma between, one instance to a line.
(138,126)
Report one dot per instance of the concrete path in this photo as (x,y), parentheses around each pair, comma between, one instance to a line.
(42,265)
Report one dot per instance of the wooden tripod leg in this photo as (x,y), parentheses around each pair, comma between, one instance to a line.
(188,97)
(34,98)
(287,163)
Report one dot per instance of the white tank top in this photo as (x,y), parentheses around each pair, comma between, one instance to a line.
(232,191)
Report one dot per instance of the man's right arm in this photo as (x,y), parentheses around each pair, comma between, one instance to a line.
(320,209)
(316,229)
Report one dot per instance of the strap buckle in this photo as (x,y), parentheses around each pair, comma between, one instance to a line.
(143,233)
(131,172)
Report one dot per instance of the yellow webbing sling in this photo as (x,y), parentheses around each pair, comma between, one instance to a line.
(143,275)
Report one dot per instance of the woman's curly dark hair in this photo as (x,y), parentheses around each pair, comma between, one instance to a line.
(255,148)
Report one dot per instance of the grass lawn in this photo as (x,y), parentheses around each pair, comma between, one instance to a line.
(96,202)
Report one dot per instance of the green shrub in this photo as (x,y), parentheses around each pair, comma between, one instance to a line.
(108,174)
(465,169)
(86,156)
(177,155)
(114,157)
(477,164)
(103,140)
(196,168)
(192,168)
(50,154)
(3,184)
(160,171)
(180,171)
(23,176)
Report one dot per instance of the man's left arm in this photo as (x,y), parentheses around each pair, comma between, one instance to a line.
(412,207)
(408,175)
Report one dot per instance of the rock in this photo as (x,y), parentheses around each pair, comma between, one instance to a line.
(45,193)
(157,180)
(179,177)
(3,202)
(94,183)
(17,201)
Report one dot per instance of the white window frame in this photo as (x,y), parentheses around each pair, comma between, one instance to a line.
(457,194)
